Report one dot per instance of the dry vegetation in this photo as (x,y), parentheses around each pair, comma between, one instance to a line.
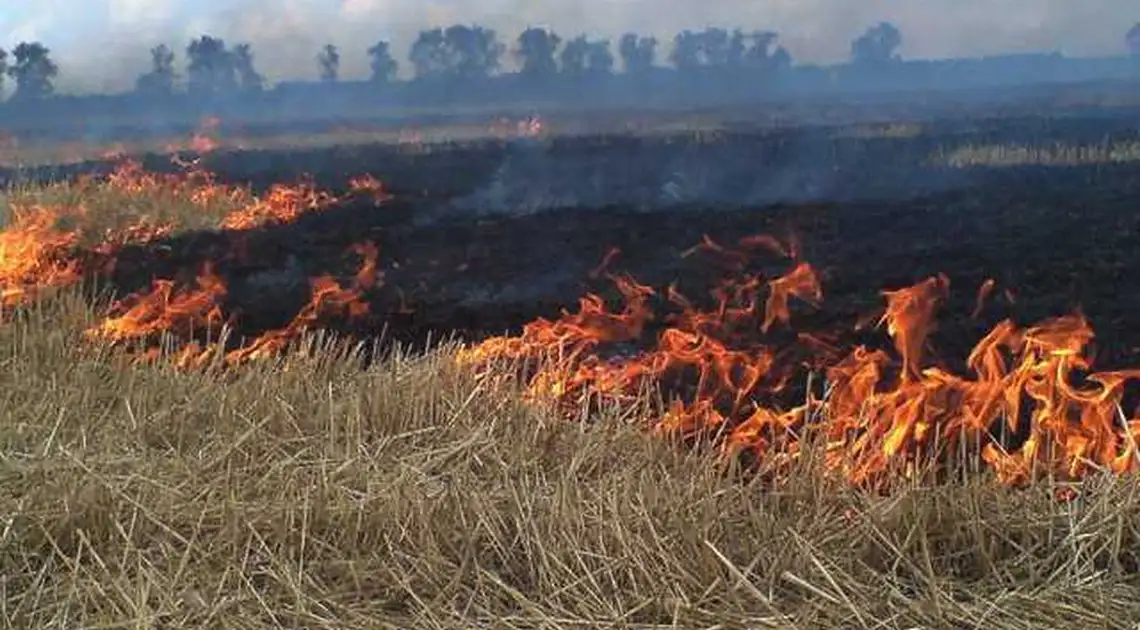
(1057,154)
(309,492)
(315,494)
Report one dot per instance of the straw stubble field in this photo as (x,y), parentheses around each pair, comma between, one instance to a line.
(254,431)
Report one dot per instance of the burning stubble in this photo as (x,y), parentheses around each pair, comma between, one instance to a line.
(723,367)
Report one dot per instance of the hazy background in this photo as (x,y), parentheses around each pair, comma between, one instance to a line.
(101,45)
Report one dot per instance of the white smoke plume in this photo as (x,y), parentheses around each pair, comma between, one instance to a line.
(101,45)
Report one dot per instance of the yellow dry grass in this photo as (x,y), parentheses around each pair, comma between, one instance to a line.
(313,493)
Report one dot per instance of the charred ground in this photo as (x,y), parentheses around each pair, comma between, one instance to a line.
(1058,238)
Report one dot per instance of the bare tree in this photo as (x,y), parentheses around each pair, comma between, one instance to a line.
(33,70)
(160,79)
(383,65)
(329,61)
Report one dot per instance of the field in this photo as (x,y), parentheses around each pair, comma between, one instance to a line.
(872,376)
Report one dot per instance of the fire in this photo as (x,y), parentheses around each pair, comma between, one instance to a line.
(881,413)
(369,185)
(328,300)
(736,367)
(163,310)
(283,203)
(35,254)
(168,310)
(191,183)
(203,140)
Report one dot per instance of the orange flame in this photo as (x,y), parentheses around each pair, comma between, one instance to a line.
(328,299)
(163,309)
(35,254)
(282,204)
(881,413)
(1027,405)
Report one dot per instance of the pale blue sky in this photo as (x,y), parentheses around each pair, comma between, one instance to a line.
(102,44)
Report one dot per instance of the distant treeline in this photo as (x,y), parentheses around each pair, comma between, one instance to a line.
(462,65)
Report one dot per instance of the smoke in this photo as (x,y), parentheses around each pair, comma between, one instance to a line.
(102,45)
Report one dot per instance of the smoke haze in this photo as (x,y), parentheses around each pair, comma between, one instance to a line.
(101,45)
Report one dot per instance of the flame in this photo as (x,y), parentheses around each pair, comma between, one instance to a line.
(732,366)
(202,140)
(193,183)
(369,185)
(281,204)
(328,300)
(35,254)
(183,312)
(163,309)
(883,413)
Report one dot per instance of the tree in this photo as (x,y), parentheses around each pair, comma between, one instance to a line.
(581,57)
(429,55)
(600,60)
(458,52)
(383,65)
(710,48)
(738,49)
(686,54)
(877,45)
(33,70)
(536,49)
(249,79)
(160,79)
(637,53)
(1133,40)
(211,69)
(329,61)
(478,51)
(763,54)
(573,57)
(3,68)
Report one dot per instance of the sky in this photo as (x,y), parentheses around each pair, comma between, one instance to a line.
(101,45)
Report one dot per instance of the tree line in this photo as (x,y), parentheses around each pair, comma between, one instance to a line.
(462,53)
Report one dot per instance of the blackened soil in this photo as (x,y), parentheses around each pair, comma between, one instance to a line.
(1057,239)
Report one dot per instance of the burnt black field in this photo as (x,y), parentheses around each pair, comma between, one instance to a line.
(484,236)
